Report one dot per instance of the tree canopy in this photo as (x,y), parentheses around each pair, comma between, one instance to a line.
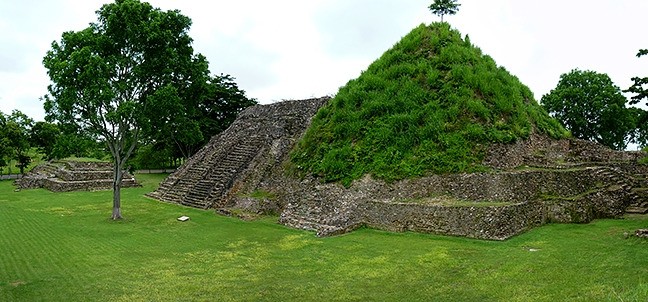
(115,78)
(195,118)
(589,105)
(44,136)
(444,7)
(14,139)
(640,93)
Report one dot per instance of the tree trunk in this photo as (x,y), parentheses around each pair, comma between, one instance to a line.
(117,178)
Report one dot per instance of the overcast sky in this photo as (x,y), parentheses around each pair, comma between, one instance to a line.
(296,49)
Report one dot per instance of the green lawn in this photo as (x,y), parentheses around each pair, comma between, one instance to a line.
(62,247)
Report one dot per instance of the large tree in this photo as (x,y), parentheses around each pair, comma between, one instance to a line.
(444,7)
(589,105)
(110,78)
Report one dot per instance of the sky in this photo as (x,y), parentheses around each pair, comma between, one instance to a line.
(296,49)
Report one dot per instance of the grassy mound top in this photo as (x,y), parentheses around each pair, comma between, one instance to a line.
(431,104)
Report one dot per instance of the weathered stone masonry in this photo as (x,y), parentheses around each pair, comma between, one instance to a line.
(534,182)
(241,156)
(64,176)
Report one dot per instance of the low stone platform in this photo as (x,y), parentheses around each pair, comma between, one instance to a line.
(65,176)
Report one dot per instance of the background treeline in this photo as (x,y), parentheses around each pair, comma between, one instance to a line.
(165,144)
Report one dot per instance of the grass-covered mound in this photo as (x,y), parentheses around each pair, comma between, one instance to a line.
(431,104)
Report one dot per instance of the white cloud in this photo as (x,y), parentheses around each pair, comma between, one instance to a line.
(290,49)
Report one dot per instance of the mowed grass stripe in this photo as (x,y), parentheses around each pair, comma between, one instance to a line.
(43,249)
(75,253)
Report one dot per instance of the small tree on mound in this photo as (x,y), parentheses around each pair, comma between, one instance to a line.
(444,7)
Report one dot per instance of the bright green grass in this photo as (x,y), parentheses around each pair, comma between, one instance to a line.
(37,159)
(62,247)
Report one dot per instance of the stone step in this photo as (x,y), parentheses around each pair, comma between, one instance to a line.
(637,210)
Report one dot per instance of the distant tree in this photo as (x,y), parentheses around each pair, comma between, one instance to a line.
(638,87)
(198,116)
(639,135)
(221,105)
(14,136)
(108,78)
(44,136)
(5,149)
(589,105)
(444,7)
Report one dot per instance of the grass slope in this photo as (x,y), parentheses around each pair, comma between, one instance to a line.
(429,105)
(62,247)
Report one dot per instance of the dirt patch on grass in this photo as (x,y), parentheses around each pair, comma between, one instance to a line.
(17,283)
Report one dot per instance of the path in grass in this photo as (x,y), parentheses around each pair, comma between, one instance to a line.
(62,247)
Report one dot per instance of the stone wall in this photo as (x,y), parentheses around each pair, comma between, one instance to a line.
(539,150)
(65,176)
(483,222)
(530,198)
(532,182)
(57,185)
(84,175)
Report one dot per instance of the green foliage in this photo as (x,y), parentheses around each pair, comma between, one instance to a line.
(195,115)
(644,160)
(637,88)
(639,135)
(261,194)
(15,142)
(152,157)
(61,247)
(589,105)
(44,136)
(431,104)
(444,7)
(119,76)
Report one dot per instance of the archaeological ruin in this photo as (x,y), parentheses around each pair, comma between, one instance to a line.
(437,105)
(532,182)
(65,176)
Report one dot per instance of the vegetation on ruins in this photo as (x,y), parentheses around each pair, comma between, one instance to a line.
(444,7)
(432,103)
(60,247)
(132,73)
(589,105)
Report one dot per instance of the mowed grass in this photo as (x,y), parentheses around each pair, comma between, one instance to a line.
(62,247)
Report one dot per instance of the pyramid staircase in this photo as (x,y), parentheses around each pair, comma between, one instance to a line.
(208,178)
(204,182)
